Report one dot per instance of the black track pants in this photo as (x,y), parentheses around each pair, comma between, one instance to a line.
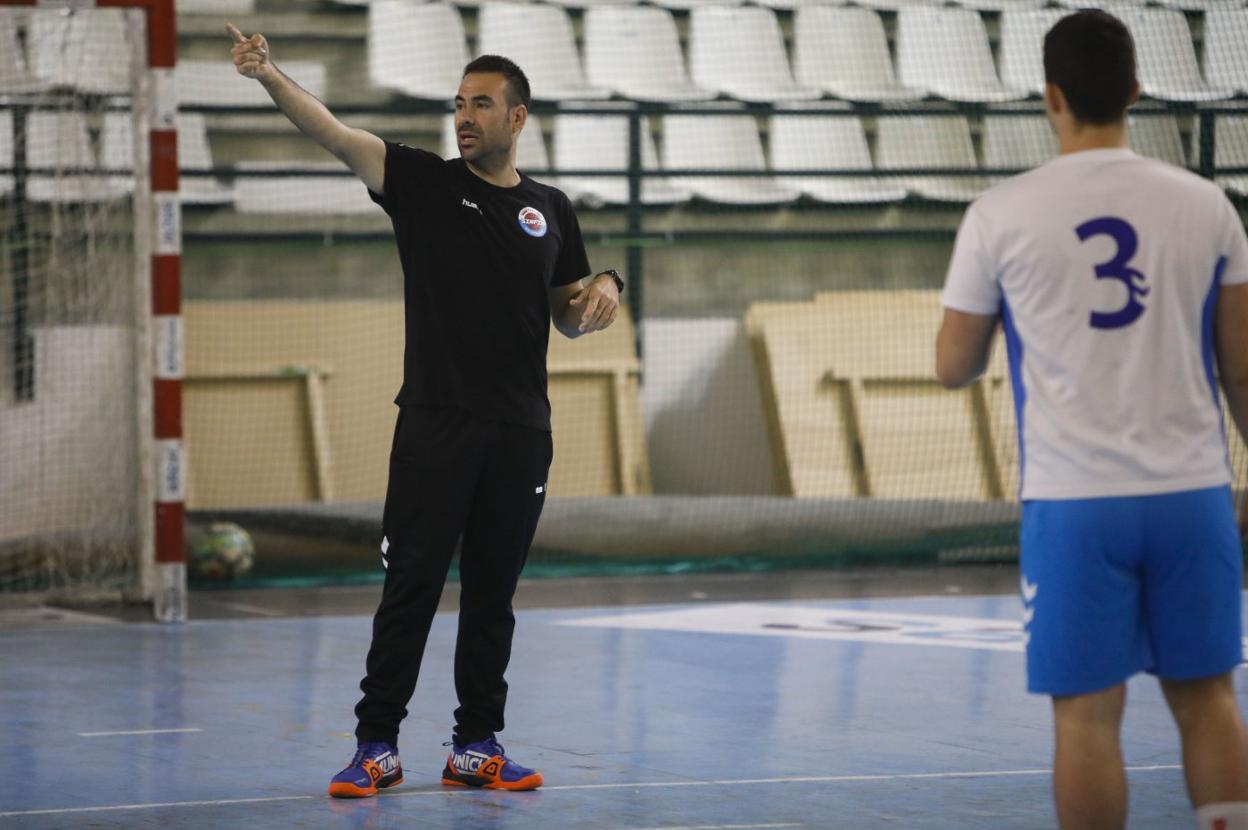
(452,474)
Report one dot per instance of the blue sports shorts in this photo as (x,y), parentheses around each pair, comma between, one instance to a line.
(1115,586)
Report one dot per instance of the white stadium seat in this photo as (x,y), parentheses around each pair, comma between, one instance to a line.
(1231,150)
(1018,141)
(1022,47)
(417,49)
(788,5)
(935,142)
(891,5)
(1001,5)
(1166,57)
(739,51)
(595,142)
(1156,136)
(538,38)
(1226,48)
(80,51)
(721,142)
(117,153)
(318,195)
(15,74)
(218,84)
(813,142)
(1201,5)
(635,51)
(945,51)
(686,5)
(215,7)
(844,51)
(59,141)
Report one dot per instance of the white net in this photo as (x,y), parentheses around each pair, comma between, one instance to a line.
(72,303)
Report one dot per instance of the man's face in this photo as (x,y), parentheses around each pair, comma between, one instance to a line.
(485,126)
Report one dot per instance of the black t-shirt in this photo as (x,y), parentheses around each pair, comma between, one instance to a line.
(478,261)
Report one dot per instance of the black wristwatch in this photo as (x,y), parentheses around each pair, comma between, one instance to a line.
(615,275)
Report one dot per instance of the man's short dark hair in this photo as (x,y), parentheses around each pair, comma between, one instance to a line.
(517,82)
(1090,56)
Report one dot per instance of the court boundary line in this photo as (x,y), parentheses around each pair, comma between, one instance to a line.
(734,782)
(179,731)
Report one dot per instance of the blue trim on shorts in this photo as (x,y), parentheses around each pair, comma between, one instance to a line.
(1115,586)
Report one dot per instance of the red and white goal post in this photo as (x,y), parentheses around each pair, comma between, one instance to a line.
(92,466)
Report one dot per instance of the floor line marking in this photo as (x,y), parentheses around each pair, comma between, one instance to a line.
(721,827)
(251,609)
(139,732)
(821,779)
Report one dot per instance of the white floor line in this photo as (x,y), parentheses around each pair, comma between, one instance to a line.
(138,732)
(727,782)
(721,827)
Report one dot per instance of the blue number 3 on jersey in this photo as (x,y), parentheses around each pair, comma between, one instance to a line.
(1117,268)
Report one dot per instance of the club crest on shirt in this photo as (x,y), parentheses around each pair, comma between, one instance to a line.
(532,222)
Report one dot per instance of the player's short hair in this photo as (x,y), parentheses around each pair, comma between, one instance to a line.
(1090,56)
(517,81)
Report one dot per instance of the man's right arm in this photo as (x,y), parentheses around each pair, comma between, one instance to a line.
(361,151)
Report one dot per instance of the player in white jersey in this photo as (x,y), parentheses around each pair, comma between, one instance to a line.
(1122,287)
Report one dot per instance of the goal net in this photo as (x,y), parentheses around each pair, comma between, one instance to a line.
(74,303)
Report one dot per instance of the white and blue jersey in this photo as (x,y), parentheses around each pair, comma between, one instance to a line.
(1105,267)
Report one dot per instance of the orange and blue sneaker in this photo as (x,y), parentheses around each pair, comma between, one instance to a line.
(374,767)
(485,764)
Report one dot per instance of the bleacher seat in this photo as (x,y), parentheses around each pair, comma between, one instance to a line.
(793,5)
(539,38)
(844,51)
(945,51)
(1156,136)
(15,74)
(1231,150)
(1001,5)
(890,5)
(6,151)
(1111,6)
(1166,57)
(721,142)
(59,141)
(635,50)
(1018,141)
(739,51)
(530,148)
(1200,5)
(80,51)
(318,195)
(215,7)
(591,4)
(935,142)
(596,142)
(417,49)
(812,142)
(194,154)
(218,84)
(1022,47)
(687,5)
(1226,48)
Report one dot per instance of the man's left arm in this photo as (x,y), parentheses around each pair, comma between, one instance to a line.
(585,306)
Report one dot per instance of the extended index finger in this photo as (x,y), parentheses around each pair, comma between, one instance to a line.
(235,33)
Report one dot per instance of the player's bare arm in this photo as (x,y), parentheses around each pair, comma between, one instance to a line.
(962,347)
(1231,336)
(580,307)
(361,151)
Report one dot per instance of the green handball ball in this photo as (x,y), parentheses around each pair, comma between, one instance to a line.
(223,553)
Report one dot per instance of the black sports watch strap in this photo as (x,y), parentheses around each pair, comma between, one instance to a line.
(615,275)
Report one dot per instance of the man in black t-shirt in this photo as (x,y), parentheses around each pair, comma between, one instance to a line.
(490,257)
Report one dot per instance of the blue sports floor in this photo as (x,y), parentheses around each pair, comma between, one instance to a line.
(884,712)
